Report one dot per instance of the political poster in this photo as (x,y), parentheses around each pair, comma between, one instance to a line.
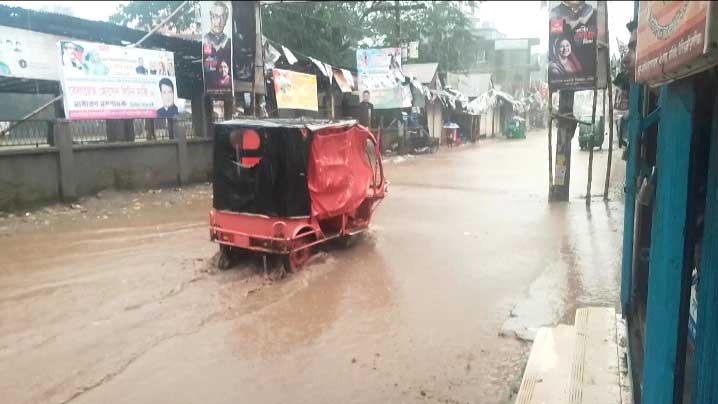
(675,39)
(217,48)
(295,90)
(28,54)
(112,82)
(572,45)
(245,39)
(379,74)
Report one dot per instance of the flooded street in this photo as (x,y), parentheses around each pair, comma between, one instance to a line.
(117,299)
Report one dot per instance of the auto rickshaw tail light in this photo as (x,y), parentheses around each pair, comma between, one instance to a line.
(250,142)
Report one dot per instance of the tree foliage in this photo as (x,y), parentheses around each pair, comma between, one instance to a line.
(331,31)
(443,30)
(328,31)
(145,15)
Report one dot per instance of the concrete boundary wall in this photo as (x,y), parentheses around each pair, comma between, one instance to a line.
(31,177)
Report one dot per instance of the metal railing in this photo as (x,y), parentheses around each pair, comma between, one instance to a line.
(88,132)
(29,134)
(38,133)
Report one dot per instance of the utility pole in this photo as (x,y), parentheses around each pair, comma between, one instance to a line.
(566,127)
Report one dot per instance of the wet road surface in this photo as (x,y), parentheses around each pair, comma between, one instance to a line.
(118,300)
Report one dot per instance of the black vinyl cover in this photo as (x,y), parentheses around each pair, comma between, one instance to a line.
(277,186)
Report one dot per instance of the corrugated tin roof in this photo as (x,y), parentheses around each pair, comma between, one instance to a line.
(424,72)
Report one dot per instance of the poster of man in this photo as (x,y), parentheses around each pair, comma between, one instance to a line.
(572,45)
(217,47)
(168,108)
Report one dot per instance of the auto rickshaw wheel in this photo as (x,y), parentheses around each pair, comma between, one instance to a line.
(225,259)
(343,241)
(295,260)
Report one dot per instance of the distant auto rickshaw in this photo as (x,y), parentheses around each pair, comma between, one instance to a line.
(516,128)
(590,138)
(284,186)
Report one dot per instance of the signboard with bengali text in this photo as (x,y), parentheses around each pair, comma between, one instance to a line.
(675,39)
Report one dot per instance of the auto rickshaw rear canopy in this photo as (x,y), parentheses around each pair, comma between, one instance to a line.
(296,123)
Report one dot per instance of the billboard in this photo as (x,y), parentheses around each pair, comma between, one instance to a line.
(112,82)
(217,48)
(28,54)
(295,90)
(379,73)
(572,45)
(675,39)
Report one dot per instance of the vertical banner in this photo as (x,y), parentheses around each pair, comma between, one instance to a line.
(295,90)
(675,39)
(380,76)
(245,39)
(572,45)
(113,82)
(217,47)
(603,45)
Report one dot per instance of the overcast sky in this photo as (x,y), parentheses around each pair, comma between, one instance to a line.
(514,18)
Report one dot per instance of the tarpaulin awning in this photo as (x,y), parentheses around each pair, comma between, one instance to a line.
(341,81)
(291,59)
(490,98)
(349,78)
(339,173)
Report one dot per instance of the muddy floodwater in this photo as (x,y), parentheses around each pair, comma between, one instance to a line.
(116,299)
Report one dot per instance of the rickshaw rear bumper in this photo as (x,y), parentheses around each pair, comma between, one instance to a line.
(262,233)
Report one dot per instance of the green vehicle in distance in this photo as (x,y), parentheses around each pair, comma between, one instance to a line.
(588,138)
(516,128)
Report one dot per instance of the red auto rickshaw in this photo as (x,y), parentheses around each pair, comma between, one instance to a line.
(284,186)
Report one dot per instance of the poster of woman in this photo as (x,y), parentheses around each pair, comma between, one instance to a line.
(572,45)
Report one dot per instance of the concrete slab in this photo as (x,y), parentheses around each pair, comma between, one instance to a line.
(595,370)
(546,378)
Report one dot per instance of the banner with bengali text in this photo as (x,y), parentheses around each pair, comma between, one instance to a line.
(113,82)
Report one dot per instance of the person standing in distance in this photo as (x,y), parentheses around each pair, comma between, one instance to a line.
(366,109)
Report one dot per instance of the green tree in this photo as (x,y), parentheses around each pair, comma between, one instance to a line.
(145,15)
(442,28)
(328,31)
(331,31)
